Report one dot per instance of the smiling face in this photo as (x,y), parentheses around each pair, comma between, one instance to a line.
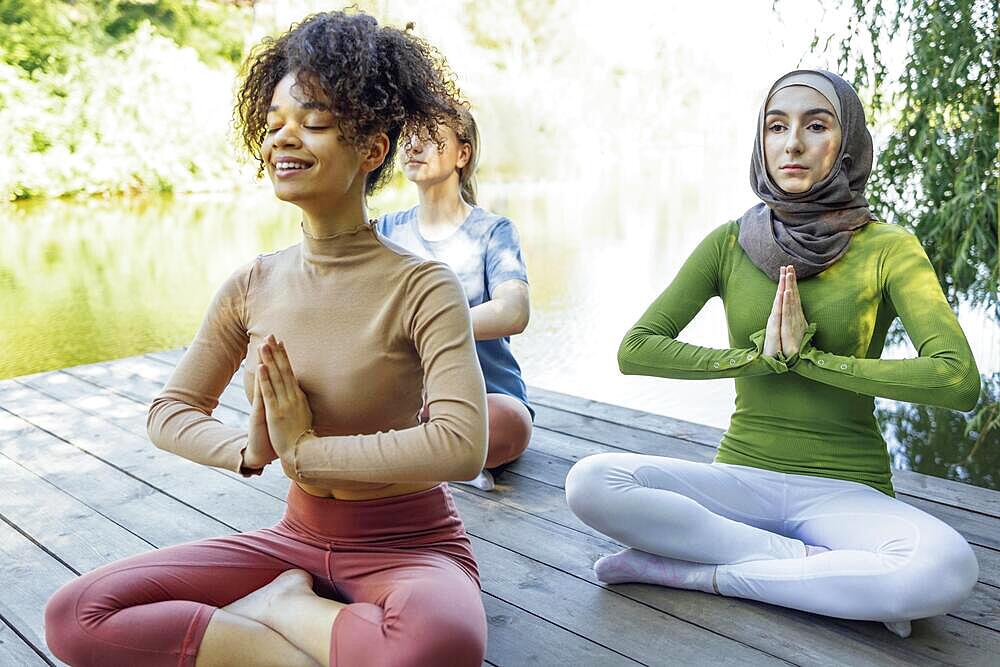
(306,158)
(801,138)
(425,163)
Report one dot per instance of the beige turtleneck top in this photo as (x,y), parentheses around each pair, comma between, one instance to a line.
(372,331)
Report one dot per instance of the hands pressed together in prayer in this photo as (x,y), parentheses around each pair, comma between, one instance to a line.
(787,323)
(280,413)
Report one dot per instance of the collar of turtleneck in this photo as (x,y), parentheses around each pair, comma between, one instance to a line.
(339,245)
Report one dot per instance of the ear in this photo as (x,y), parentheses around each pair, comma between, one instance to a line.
(378,148)
(464,156)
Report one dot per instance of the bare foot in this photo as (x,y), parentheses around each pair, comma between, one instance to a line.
(265,604)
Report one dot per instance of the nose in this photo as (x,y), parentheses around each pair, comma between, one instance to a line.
(414,147)
(793,141)
(287,136)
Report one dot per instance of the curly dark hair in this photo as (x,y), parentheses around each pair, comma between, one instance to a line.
(377,78)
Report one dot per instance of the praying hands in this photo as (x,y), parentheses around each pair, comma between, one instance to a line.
(787,323)
(280,413)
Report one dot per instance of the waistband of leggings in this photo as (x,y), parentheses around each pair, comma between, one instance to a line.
(429,514)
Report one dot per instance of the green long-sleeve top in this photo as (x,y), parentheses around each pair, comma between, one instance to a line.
(813,413)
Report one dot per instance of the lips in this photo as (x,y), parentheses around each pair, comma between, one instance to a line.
(793,167)
(286,166)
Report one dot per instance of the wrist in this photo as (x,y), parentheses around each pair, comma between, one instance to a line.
(253,460)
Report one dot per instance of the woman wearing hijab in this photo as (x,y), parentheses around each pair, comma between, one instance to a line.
(798,507)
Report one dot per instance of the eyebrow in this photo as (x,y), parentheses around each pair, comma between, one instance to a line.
(811,112)
(311,106)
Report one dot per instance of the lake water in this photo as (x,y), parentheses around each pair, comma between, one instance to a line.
(89,281)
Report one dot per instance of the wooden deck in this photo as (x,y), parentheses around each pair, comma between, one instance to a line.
(81,486)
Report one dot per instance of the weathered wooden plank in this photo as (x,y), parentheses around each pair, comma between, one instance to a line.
(982,607)
(937,489)
(613,621)
(228,500)
(28,578)
(145,377)
(36,507)
(671,426)
(15,652)
(130,415)
(127,501)
(519,638)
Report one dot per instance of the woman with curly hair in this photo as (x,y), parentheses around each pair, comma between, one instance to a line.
(797,509)
(484,251)
(345,334)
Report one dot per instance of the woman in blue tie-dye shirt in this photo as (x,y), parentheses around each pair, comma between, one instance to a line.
(483,250)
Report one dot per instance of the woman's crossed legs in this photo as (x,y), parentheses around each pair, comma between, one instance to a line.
(821,545)
(222,601)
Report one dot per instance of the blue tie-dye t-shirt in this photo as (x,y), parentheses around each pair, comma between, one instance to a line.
(484,252)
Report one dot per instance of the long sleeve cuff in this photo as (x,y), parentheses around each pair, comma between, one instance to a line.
(776,364)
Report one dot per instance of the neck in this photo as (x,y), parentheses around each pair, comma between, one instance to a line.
(332,218)
(441,204)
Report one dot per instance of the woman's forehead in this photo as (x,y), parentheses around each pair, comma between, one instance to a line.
(298,91)
(798,99)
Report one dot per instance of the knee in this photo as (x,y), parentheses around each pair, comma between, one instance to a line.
(63,632)
(586,485)
(953,571)
(939,579)
(456,641)
(510,429)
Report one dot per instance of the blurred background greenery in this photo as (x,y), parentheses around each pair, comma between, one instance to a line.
(615,137)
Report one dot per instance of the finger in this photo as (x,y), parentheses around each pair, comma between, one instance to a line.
(284,363)
(776,308)
(289,383)
(275,376)
(796,299)
(266,388)
(256,403)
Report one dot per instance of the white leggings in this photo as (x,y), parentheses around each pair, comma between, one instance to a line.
(888,561)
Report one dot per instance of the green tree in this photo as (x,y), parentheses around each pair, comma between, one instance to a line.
(937,173)
(47,35)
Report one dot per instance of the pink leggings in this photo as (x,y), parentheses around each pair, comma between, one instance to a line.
(404,564)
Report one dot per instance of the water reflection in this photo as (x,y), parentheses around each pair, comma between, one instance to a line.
(89,281)
(939,442)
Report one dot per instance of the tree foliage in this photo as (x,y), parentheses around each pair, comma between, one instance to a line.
(46,35)
(937,173)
